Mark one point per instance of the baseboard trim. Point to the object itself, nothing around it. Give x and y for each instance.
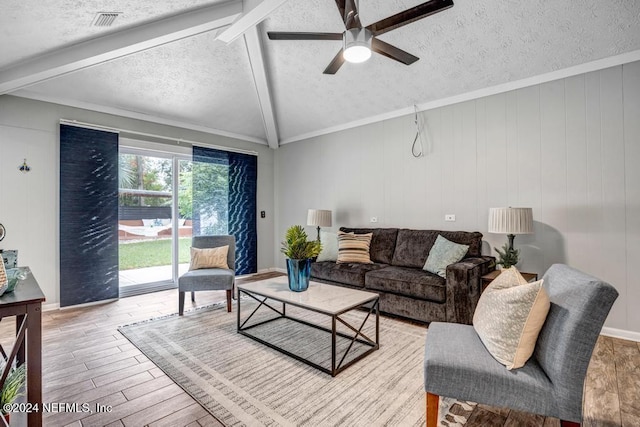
(621, 333)
(279, 270)
(267, 270)
(51, 306)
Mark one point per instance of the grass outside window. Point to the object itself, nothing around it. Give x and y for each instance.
(151, 253)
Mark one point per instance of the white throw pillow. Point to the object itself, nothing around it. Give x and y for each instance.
(329, 242)
(509, 317)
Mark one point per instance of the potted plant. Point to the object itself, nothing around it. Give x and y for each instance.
(508, 256)
(12, 389)
(299, 252)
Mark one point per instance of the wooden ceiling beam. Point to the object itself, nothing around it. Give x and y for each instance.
(118, 44)
(251, 17)
(261, 79)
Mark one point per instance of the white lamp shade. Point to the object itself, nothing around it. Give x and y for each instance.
(511, 220)
(319, 217)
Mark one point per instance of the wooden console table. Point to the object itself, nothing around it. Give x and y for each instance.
(26, 304)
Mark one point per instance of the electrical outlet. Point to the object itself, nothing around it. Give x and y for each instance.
(450, 217)
(263, 214)
(374, 219)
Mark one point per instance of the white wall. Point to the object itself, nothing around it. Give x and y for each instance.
(29, 203)
(570, 149)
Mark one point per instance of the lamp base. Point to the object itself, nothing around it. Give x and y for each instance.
(318, 234)
(511, 237)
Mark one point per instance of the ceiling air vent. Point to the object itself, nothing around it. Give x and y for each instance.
(105, 19)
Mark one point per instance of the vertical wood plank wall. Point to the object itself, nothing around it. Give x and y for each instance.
(28, 200)
(29, 205)
(570, 149)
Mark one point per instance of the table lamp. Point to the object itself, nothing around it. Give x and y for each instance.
(319, 217)
(511, 221)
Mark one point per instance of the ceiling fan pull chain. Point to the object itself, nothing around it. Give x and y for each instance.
(417, 138)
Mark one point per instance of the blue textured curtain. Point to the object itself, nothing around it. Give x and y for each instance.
(224, 201)
(88, 215)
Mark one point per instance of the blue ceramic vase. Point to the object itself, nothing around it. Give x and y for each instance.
(298, 271)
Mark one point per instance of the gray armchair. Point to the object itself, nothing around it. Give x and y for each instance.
(458, 365)
(209, 279)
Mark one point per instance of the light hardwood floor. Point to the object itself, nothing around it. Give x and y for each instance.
(85, 359)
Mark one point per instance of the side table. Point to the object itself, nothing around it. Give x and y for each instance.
(26, 304)
(490, 277)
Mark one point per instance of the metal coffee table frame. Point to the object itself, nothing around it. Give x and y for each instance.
(335, 318)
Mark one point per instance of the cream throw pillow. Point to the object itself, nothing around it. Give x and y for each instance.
(509, 317)
(209, 258)
(354, 248)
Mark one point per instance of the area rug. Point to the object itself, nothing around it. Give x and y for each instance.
(243, 382)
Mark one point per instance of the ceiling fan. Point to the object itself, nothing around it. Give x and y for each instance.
(359, 41)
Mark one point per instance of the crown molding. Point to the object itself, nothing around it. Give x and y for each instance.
(135, 115)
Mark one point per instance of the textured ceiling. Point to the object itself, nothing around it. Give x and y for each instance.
(195, 80)
(474, 45)
(31, 27)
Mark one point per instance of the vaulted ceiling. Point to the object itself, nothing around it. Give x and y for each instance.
(166, 61)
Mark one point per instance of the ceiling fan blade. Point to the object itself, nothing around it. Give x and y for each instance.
(351, 16)
(278, 35)
(341, 7)
(335, 64)
(408, 16)
(392, 52)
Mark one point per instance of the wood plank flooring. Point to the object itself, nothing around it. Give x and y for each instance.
(86, 360)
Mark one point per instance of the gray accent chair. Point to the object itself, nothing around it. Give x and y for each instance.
(209, 279)
(457, 364)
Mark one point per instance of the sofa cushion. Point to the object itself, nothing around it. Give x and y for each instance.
(409, 282)
(383, 242)
(413, 246)
(350, 273)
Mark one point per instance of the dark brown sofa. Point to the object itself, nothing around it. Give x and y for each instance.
(407, 290)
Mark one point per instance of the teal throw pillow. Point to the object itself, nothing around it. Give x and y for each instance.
(443, 253)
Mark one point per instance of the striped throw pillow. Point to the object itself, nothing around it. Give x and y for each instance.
(354, 248)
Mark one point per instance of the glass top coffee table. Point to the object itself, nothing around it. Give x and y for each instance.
(327, 300)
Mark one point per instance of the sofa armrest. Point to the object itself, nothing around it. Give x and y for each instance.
(464, 284)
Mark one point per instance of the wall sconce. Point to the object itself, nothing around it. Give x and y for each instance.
(24, 167)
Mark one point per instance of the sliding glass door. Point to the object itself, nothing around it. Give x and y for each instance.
(166, 197)
(154, 222)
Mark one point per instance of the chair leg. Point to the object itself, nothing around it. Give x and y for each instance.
(228, 300)
(569, 424)
(433, 400)
(193, 296)
(180, 303)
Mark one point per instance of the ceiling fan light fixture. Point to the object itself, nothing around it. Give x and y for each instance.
(357, 45)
